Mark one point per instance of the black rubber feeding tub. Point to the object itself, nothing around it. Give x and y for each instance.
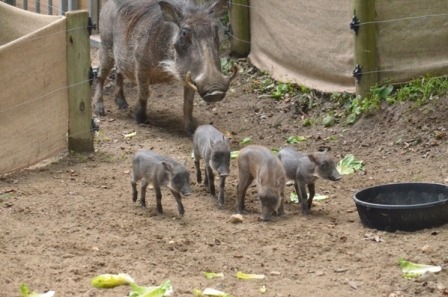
(403, 206)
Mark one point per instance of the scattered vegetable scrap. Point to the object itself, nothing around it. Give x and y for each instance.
(248, 276)
(295, 139)
(295, 199)
(413, 270)
(234, 154)
(210, 275)
(165, 289)
(246, 140)
(106, 281)
(130, 135)
(25, 290)
(349, 164)
(210, 292)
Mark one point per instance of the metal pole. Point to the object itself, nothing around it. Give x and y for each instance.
(38, 6)
(73, 5)
(50, 7)
(62, 7)
(94, 12)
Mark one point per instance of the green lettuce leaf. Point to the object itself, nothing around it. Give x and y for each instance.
(242, 275)
(295, 199)
(25, 290)
(210, 292)
(246, 140)
(165, 289)
(413, 270)
(210, 275)
(295, 139)
(106, 281)
(349, 164)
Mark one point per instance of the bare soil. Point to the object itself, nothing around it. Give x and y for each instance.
(67, 221)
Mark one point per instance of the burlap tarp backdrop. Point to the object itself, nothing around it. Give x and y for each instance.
(310, 42)
(33, 80)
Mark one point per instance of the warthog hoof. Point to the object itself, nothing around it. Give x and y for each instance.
(99, 110)
(140, 117)
(121, 103)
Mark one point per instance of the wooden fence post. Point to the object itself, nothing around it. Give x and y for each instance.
(80, 138)
(366, 54)
(240, 28)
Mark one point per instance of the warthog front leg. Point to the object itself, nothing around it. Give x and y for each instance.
(245, 179)
(143, 194)
(222, 182)
(198, 170)
(143, 95)
(180, 206)
(211, 180)
(190, 126)
(120, 100)
(134, 190)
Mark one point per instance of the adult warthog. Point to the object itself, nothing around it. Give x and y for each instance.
(154, 41)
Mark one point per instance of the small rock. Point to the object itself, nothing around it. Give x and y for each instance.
(353, 285)
(440, 287)
(236, 218)
(396, 294)
(427, 249)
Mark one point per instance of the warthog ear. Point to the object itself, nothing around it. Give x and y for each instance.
(170, 13)
(168, 166)
(218, 8)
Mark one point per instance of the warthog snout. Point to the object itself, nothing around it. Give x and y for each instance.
(335, 176)
(211, 89)
(213, 96)
(186, 193)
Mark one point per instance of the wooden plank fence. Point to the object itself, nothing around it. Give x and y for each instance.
(45, 103)
(59, 7)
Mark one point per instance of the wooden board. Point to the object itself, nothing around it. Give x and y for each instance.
(33, 97)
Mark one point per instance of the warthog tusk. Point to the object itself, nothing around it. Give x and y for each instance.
(190, 82)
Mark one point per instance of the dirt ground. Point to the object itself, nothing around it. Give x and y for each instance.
(69, 220)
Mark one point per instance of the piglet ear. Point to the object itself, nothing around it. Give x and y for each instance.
(224, 139)
(170, 13)
(280, 183)
(212, 142)
(168, 166)
(218, 8)
(312, 158)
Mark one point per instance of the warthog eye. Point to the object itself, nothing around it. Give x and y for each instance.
(216, 35)
(184, 38)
